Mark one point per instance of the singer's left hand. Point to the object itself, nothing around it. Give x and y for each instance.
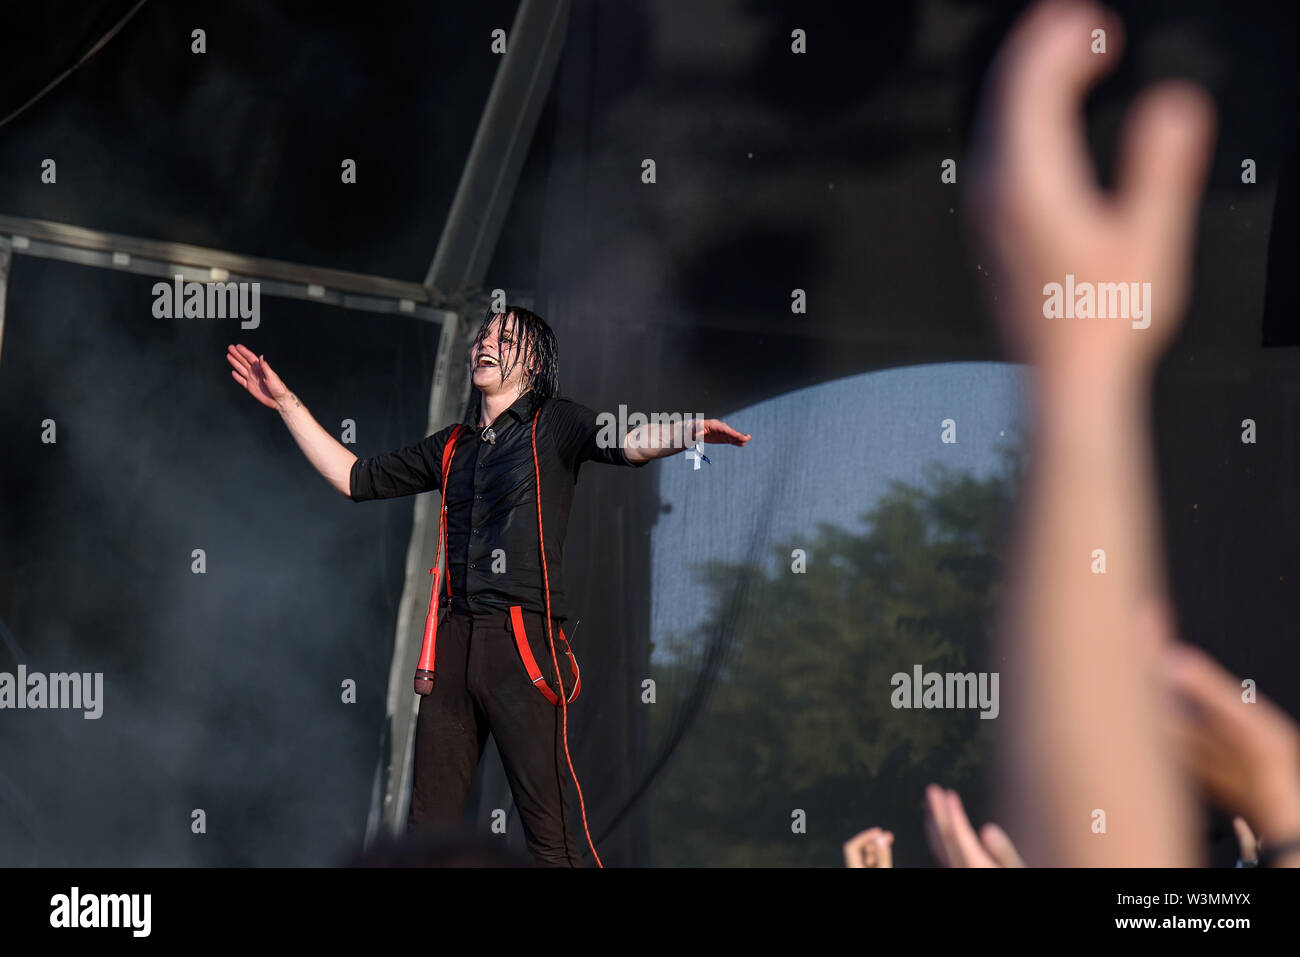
(717, 432)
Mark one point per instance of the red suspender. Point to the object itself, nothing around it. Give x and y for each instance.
(428, 650)
(521, 641)
(535, 673)
(517, 622)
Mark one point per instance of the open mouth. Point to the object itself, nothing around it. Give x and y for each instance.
(485, 360)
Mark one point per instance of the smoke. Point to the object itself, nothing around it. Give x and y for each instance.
(223, 690)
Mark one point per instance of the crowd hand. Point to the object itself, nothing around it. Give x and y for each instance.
(1247, 843)
(1244, 753)
(953, 841)
(871, 848)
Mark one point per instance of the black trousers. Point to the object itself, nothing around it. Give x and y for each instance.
(482, 687)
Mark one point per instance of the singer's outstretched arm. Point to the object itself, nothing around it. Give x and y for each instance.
(326, 453)
(655, 441)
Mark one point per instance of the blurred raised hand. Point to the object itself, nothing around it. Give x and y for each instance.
(1080, 732)
(1038, 211)
(1241, 748)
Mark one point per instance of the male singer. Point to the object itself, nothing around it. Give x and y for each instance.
(483, 686)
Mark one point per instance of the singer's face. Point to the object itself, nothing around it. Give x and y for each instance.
(494, 359)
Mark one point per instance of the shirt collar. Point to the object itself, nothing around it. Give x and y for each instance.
(522, 409)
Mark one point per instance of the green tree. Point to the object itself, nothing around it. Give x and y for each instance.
(800, 716)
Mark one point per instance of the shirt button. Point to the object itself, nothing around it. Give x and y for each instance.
(476, 531)
(471, 564)
(478, 498)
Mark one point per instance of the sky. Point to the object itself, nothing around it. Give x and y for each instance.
(825, 453)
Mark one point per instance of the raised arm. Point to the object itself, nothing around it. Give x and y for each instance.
(1081, 719)
(326, 454)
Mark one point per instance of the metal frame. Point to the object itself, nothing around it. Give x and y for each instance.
(151, 257)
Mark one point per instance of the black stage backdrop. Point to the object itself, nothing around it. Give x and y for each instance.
(740, 621)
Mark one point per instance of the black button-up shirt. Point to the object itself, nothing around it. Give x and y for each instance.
(491, 498)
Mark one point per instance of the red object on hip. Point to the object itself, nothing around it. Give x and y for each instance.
(428, 650)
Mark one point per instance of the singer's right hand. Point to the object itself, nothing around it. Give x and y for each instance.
(255, 374)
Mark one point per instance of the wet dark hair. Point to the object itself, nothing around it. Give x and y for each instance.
(535, 346)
